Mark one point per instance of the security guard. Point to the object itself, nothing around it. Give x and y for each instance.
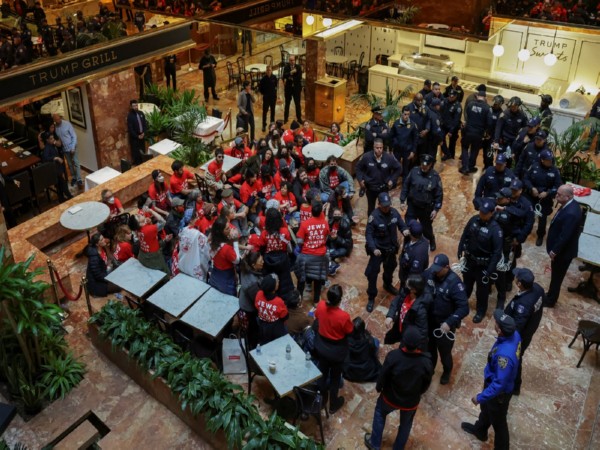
(450, 306)
(420, 117)
(508, 126)
(376, 128)
(499, 379)
(481, 244)
(376, 172)
(422, 196)
(525, 136)
(382, 246)
(542, 181)
(504, 219)
(451, 113)
(436, 133)
(414, 257)
(488, 149)
(477, 122)
(436, 92)
(526, 309)
(492, 180)
(544, 111)
(404, 135)
(531, 153)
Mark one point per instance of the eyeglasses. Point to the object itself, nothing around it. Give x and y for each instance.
(220, 157)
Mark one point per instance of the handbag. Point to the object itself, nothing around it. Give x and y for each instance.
(234, 360)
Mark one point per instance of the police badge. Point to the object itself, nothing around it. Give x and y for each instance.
(502, 362)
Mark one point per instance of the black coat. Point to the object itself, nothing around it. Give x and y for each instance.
(417, 315)
(361, 364)
(564, 231)
(96, 273)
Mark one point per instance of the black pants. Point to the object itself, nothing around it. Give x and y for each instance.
(501, 285)
(488, 153)
(330, 381)
(171, 73)
(474, 275)
(371, 200)
(518, 380)
(449, 150)
(268, 104)
(295, 95)
(390, 262)
(317, 287)
(423, 215)
(443, 345)
(470, 150)
(494, 412)
(138, 148)
(559, 266)
(210, 86)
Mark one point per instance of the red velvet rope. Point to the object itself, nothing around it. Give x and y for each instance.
(68, 295)
(227, 118)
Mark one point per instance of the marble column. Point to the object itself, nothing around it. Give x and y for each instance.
(108, 98)
(315, 69)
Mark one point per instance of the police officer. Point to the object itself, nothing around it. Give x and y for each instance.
(426, 88)
(481, 244)
(526, 309)
(59, 32)
(451, 113)
(488, 150)
(454, 86)
(404, 136)
(499, 379)
(492, 180)
(170, 62)
(414, 257)
(477, 121)
(420, 117)
(450, 306)
(48, 37)
(525, 136)
(436, 92)
(421, 197)
(22, 55)
(542, 181)
(531, 153)
(382, 246)
(504, 219)
(508, 126)
(376, 172)
(544, 111)
(139, 20)
(436, 133)
(376, 128)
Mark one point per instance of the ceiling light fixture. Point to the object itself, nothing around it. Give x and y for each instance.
(310, 19)
(338, 29)
(550, 59)
(327, 22)
(498, 50)
(524, 54)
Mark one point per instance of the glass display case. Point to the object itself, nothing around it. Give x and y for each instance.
(426, 66)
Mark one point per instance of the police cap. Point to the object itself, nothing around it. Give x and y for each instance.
(487, 206)
(546, 155)
(524, 275)
(384, 199)
(439, 262)
(505, 322)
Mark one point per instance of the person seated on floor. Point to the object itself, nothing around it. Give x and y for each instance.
(298, 320)
(287, 202)
(339, 240)
(267, 183)
(251, 274)
(285, 155)
(191, 254)
(224, 257)
(124, 248)
(147, 234)
(239, 149)
(52, 153)
(299, 143)
(207, 218)
(290, 134)
(301, 186)
(332, 176)
(144, 204)
(361, 364)
(97, 267)
(158, 191)
(308, 132)
(240, 219)
(251, 195)
(336, 136)
(271, 310)
(312, 171)
(114, 204)
(181, 180)
(215, 175)
(340, 200)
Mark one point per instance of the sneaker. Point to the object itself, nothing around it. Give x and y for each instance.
(370, 305)
(335, 405)
(477, 318)
(333, 268)
(367, 440)
(432, 246)
(361, 192)
(470, 428)
(445, 378)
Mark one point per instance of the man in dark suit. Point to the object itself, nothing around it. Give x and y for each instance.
(136, 127)
(562, 244)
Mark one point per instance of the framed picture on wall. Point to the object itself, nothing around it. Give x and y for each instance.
(75, 107)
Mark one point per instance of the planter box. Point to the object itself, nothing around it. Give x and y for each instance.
(352, 153)
(157, 388)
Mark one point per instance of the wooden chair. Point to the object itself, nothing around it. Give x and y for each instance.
(44, 177)
(360, 61)
(255, 77)
(203, 187)
(268, 60)
(571, 171)
(590, 333)
(310, 403)
(234, 77)
(338, 51)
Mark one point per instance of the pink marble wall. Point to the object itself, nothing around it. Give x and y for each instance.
(4, 237)
(109, 104)
(315, 69)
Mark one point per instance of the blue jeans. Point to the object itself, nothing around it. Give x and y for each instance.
(325, 195)
(382, 409)
(73, 162)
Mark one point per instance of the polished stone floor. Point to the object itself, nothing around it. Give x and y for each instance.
(557, 409)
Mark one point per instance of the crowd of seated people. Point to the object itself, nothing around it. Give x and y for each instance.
(584, 12)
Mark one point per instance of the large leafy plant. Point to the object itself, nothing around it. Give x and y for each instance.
(391, 102)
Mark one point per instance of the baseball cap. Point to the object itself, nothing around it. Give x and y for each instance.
(487, 206)
(384, 199)
(516, 184)
(541, 134)
(534, 122)
(523, 274)
(415, 228)
(439, 262)
(177, 201)
(283, 164)
(376, 109)
(504, 193)
(411, 338)
(452, 93)
(238, 141)
(505, 322)
(501, 158)
(546, 155)
(226, 193)
(435, 102)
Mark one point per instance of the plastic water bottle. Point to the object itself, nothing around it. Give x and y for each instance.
(288, 351)
(258, 350)
(308, 360)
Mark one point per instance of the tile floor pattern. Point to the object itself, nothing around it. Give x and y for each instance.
(558, 407)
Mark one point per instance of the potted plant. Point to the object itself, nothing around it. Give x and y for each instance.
(391, 102)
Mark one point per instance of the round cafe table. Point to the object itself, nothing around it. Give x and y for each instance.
(322, 150)
(84, 216)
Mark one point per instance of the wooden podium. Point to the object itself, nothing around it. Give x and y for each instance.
(330, 101)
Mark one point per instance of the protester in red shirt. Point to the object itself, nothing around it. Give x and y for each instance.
(124, 248)
(289, 135)
(250, 189)
(336, 136)
(267, 183)
(299, 143)
(224, 257)
(241, 211)
(215, 167)
(312, 171)
(285, 155)
(312, 263)
(308, 132)
(207, 218)
(272, 312)
(181, 180)
(158, 191)
(113, 203)
(287, 201)
(150, 254)
(331, 344)
(239, 149)
(270, 161)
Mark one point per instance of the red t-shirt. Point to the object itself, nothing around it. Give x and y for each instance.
(225, 257)
(148, 236)
(203, 223)
(161, 199)
(275, 242)
(270, 310)
(179, 183)
(334, 179)
(123, 251)
(334, 323)
(314, 232)
(216, 169)
(298, 149)
(288, 136)
(236, 204)
(408, 302)
(305, 212)
(247, 191)
(313, 175)
(309, 134)
(115, 207)
(285, 203)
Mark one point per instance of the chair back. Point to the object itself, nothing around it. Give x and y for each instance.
(229, 68)
(44, 176)
(268, 60)
(125, 165)
(339, 51)
(241, 63)
(360, 60)
(19, 194)
(352, 65)
(308, 401)
(147, 157)
(255, 77)
(571, 171)
(161, 323)
(203, 187)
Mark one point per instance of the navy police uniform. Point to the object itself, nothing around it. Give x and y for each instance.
(488, 150)
(507, 130)
(404, 138)
(377, 175)
(375, 129)
(451, 113)
(414, 258)
(521, 216)
(477, 115)
(490, 183)
(420, 117)
(543, 179)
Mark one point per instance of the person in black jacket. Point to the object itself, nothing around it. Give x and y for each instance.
(405, 377)
(97, 267)
(52, 153)
(526, 309)
(339, 240)
(361, 364)
(268, 88)
(409, 310)
(292, 81)
(137, 127)
(414, 257)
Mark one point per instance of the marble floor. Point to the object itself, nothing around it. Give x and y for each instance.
(558, 407)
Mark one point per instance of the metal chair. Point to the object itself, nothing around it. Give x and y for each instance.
(338, 51)
(109, 228)
(203, 187)
(233, 76)
(268, 60)
(571, 171)
(6, 125)
(255, 77)
(590, 333)
(125, 165)
(241, 63)
(360, 60)
(310, 403)
(351, 71)
(45, 176)
(19, 195)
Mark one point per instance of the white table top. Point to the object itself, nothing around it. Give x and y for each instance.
(592, 200)
(212, 312)
(321, 150)
(209, 129)
(296, 51)
(178, 294)
(592, 224)
(147, 108)
(261, 67)
(100, 176)
(228, 163)
(336, 59)
(135, 278)
(164, 147)
(290, 372)
(54, 107)
(589, 249)
(84, 216)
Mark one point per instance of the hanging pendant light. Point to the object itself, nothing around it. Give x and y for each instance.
(550, 59)
(524, 54)
(327, 22)
(498, 50)
(310, 19)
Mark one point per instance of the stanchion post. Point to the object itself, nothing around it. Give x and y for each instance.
(230, 124)
(53, 280)
(87, 295)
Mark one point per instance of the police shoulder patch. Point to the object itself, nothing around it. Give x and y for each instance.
(502, 362)
(370, 218)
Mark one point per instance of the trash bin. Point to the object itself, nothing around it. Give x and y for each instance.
(363, 80)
